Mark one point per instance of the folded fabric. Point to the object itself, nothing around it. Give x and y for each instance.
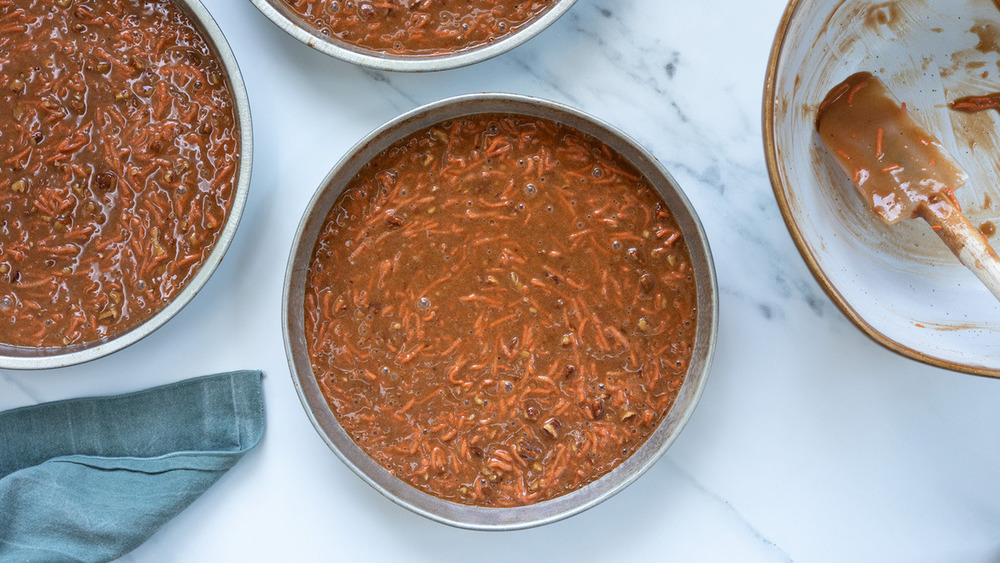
(91, 479)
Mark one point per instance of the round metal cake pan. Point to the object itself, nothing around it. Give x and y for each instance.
(278, 12)
(324, 420)
(17, 357)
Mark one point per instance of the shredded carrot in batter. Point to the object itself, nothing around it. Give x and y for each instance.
(528, 314)
(120, 151)
(419, 27)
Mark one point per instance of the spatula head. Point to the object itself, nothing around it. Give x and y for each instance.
(894, 162)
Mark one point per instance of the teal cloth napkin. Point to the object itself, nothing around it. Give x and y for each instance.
(91, 479)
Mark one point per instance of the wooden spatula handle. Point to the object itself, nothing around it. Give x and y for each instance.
(967, 243)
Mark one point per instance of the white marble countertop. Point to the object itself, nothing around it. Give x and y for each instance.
(811, 442)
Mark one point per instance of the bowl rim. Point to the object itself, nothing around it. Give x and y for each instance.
(294, 26)
(48, 358)
(403, 494)
(771, 159)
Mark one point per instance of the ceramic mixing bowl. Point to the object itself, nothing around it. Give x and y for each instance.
(898, 283)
